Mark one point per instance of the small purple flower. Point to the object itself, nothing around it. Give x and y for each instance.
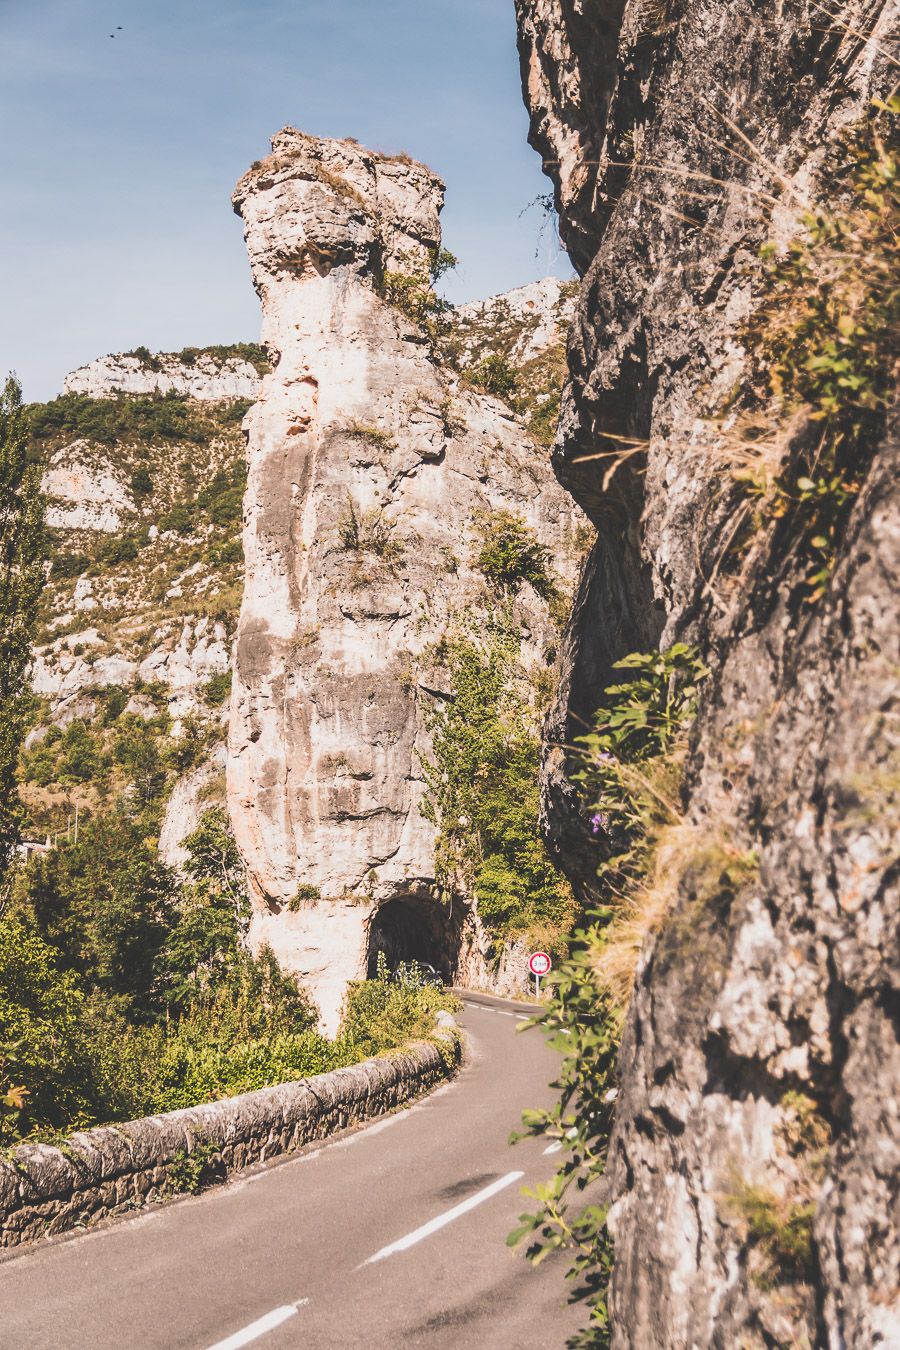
(599, 821)
(605, 757)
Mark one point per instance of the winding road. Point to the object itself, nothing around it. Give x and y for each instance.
(392, 1235)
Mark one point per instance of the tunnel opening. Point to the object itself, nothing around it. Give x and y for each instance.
(412, 929)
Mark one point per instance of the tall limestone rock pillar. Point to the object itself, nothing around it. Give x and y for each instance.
(369, 469)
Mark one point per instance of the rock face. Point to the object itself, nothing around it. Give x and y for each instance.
(679, 137)
(82, 494)
(370, 472)
(536, 317)
(204, 377)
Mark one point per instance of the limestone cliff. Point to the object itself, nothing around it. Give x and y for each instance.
(218, 374)
(680, 136)
(373, 472)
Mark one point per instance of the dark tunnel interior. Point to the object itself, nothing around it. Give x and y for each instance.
(412, 929)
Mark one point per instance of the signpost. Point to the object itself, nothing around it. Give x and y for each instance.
(539, 964)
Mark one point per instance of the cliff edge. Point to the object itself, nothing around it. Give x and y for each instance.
(759, 1071)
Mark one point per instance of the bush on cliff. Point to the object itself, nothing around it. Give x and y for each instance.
(483, 794)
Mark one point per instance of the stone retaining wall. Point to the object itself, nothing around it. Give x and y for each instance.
(94, 1173)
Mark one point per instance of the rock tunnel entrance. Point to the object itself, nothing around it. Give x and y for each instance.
(411, 929)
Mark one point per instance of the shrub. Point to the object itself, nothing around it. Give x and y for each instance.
(217, 688)
(223, 555)
(368, 532)
(68, 565)
(179, 519)
(510, 555)
(141, 482)
(494, 375)
(385, 1012)
(305, 895)
(222, 498)
(780, 1230)
(114, 551)
(235, 412)
(412, 291)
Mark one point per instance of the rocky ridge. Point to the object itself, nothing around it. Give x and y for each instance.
(373, 472)
(680, 137)
(218, 374)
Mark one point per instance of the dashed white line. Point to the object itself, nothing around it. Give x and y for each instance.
(553, 1148)
(433, 1225)
(260, 1327)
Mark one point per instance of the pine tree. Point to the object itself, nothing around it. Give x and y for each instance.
(22, 554)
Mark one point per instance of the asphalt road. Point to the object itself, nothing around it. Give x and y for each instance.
(392, 1236)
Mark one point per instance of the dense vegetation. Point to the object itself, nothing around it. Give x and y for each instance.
(22, 552)
(125, 990)
(163, 417)
(483, 791)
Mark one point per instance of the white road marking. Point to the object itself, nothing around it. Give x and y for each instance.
(260, 1326)
(553, 1148)
(433, 1225)
(522, 1017)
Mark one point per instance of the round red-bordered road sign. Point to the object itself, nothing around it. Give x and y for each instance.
(539, 963)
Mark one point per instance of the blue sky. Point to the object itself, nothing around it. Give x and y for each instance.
(118, 156)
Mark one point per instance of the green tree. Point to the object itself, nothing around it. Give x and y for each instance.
(22, 554)
(43, 1058)
(107, 905)
(483, 792)
(136, 749)
(204, 947)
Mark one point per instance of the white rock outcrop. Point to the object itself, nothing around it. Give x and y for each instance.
(541, 311)
(207, 377)
(193, 794)
(369, 472)
(84, 492)
(185, 656)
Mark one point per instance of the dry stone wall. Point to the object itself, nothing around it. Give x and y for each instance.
(47, 1189)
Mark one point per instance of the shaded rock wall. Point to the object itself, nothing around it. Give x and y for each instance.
(679, 136)
(369, 469)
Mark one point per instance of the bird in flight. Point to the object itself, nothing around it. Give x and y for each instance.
(118, 30)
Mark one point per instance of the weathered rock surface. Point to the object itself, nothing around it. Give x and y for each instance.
(370, 469)
(207, 377)
(792, 986)
(534, 317)
(82, 494)
(186, 655)
(195, 792)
